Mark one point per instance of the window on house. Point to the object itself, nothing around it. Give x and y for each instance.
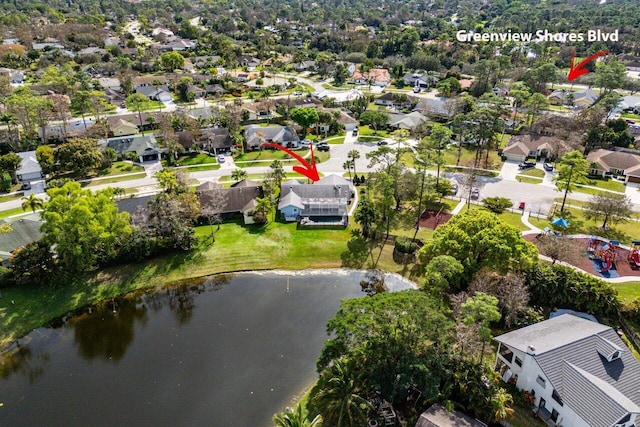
(554, 415)
(506, 354)
(615, 355)
(541, 381)
(623, 421)
(555, 396)
(518, 361)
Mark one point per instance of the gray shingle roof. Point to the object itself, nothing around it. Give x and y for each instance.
(141, 145)
(236, 198)
(23, 231)
(29, 163)
(569, 350)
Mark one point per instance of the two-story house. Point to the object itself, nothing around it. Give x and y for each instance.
(577, 372)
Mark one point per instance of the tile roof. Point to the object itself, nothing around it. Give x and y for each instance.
(606, 160)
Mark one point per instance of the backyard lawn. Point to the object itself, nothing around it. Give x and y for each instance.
(120, 168)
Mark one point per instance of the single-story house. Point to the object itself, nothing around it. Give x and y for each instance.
(150, 81)
(240, 198)
(521, 147)
(250, 62)
(123, 127)
(29, 169)
(435, 108)
(629, 103)
(580, 99)
(205, 61)
(303, 102)
(422, 81)
(406, 121)
(92, 51)
(438, 416)
(214, 89)
(145, 146)
(278, 82)
(391, 99)
(304, 66)
(282, 135)
(618, 163)
(24, 230)
(259, 111)
(377, 77)
(176, 45)
(577, 372)
(112, 83)
(325, 201)
(347, 121)
(161, 94)
(215, 140)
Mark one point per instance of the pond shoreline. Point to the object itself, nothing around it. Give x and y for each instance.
(9, 345)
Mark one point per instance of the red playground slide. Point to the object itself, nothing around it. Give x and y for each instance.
(635, 257)
(607, 266)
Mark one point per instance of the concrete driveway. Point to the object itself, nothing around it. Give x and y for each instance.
(509, 170)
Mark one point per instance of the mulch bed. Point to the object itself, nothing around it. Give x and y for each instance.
(582, 261)
(428, 219)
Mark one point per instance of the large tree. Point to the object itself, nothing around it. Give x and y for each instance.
(480, 239)
(169, 61)
(82, 227)
(609, 207)
(572, 169)
(610, 76)
(305, 117)
(375, 119)
(80, 156)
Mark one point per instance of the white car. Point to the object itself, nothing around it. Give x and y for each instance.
(220, 158)
(305, 142)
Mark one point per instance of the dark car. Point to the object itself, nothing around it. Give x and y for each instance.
(526, 165)
(383, 142)
(548, 167)
(454, 189)
(475, 194)
(26, 186)
(322, 146)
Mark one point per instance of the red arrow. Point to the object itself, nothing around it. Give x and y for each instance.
(308, 170)
(577, 71)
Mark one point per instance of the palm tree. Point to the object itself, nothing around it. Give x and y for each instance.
(353, 155)
(277, 172)
(337, 396)
(348, 164)
(32, 202)
(8, 119)
(263, 206)
(295, 418)
(238, 175)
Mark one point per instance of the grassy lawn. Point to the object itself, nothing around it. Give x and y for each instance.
(467, 157)
(630, 116)
(8, 197)
(534, 172)
(529, 179)
(367, 131)
(579, 224)
(237, 247)
(200, 159)
(608, 184)
(139, 175)
(263, 155)
(628, 291)
(335, 140)
(120, 168)
(147, 106)
(12, 212)
(204, 167)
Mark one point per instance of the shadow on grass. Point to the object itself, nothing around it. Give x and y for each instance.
(357, 251)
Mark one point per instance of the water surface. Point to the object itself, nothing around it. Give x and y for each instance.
(226, 351)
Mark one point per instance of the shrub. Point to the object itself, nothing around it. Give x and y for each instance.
(58, 182)
(497, 205)
(406, 245)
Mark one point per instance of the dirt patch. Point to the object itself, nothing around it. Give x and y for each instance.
(580, 258)
(431, 219)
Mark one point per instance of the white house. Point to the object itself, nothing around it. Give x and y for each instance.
(29, 169)
(579, 372)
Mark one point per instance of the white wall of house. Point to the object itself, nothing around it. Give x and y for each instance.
(528, 380)
(515, 157)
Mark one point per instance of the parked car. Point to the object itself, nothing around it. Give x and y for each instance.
(297, 93)
(220, 158)
(475, 194)
(454, 189)
(322, 146)
(305, 142)
(522, 204)
(355, 132)
(526, 165)
(383, 142)
(548, 167)
(416, 89)
(26, 186)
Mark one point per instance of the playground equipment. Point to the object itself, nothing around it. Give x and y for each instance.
(603, 252)
(634, 254)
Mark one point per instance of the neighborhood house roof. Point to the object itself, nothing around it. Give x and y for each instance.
(29, 163)
(240, 197)
(142, 145)
(438, 416)
(605, 160)
(569, 351)
(525, 144)
(23, 231)
(329, 195)
(256, 135)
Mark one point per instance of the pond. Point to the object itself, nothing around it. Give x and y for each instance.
(228, 350)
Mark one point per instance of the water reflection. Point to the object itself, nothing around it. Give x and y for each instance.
(24, 362)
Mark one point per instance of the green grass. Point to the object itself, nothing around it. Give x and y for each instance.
(529, 179)
(199, 159)
(367, 131)
(13, 196)
(12, 212)
(335, 140)
(534, 172)
(578, 223)
(236, 248)
(263, 155)
(205, 167)
(608, 184)
(467, 157)
(114, 180)
(630, 116)
(628, 291)
(120, 168)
